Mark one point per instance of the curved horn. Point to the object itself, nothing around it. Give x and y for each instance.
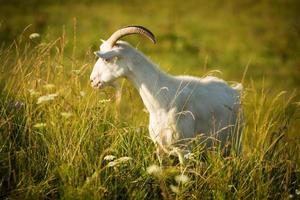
(128, 31)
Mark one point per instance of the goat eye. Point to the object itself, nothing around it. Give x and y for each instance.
(106, 60)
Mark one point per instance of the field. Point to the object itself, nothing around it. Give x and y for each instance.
(61, 139)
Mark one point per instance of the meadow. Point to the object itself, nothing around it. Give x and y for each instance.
(61, 139)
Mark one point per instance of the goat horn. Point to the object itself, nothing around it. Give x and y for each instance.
(128, 31)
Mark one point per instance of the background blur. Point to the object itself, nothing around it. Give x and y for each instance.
(193, 37)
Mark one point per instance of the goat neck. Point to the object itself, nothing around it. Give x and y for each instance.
(155, 87)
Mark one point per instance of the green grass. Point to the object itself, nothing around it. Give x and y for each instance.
(55, 147)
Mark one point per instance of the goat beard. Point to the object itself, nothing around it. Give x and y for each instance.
(118, 95)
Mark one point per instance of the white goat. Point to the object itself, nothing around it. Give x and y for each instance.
(180, 107)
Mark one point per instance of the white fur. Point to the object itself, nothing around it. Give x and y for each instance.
(180, 107)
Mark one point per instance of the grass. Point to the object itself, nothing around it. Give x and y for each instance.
(59, 137)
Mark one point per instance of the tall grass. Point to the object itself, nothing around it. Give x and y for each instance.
(61, 139)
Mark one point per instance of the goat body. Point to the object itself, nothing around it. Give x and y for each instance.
(180, 107)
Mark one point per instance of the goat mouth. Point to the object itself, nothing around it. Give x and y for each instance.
(98, 85)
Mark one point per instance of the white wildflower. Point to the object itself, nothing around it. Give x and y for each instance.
(182, 179)
(154, 170)
(109, 157)
(34, 36)
(45, 98)
(297, 192)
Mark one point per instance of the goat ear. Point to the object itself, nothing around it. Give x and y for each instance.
(107, 55)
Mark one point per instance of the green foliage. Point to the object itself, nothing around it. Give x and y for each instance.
(59, 138)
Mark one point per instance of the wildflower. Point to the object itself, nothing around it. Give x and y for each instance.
(39, 125)
(154, 170)
(297, 192)
(182, 179)
(45, 98)
(34, 36)
(109, 157)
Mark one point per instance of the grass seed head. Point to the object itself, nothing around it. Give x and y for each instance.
(182, 179)
(46, 98)
(154, 170)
